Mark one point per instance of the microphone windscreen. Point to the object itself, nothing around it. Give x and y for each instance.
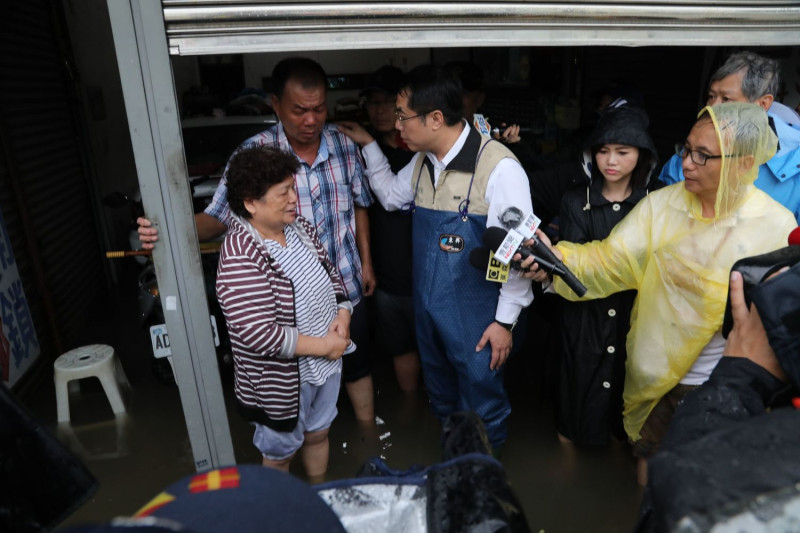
(493, 237)
(479, 258)
(794, 237)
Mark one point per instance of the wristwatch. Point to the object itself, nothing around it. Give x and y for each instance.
(509, 327)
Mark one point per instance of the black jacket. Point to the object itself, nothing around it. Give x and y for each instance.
(722, 450)
(593, 333)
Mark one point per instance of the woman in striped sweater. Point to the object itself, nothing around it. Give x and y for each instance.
(287, 313)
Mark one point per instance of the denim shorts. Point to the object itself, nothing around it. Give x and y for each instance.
(317, 411)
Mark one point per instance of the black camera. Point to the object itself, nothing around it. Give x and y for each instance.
(778, 303)
(756, 269)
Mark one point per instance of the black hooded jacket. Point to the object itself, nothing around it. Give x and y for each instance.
(593, 333)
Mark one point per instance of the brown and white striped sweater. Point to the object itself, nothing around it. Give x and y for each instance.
(257, 299)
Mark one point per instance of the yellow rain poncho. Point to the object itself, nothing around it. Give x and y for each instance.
(680, 261)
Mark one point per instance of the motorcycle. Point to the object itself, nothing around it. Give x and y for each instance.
(151, 313)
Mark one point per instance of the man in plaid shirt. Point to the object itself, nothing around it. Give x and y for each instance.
(332, 193)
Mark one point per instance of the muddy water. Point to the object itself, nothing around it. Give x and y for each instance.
(561, 488)
(135, 456)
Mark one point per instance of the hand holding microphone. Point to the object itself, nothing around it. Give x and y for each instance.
(536, 251)
(507, 134)
(479, 258)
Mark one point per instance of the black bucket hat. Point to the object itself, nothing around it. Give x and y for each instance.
(623, 125)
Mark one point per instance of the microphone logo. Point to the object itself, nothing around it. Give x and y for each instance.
(496, 271)
(511, 218)
(480, 123)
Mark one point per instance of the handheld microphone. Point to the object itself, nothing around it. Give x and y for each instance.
(498, 131)
(493, 237)
(479, 258)
(482, 126)
(482, 259)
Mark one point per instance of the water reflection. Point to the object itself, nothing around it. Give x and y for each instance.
(562, 488)
(97, 441)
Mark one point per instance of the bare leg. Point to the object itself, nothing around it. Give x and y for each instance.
(406, 368)
(641, 471)
(282, 465)
(315, 455)
(362, 397)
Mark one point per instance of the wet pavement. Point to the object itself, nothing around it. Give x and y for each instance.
(134, 456)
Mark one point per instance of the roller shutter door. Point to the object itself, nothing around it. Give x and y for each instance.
(44, 190)
(196, 27)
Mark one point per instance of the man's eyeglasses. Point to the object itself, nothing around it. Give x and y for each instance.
(698, 158)
(400, 118)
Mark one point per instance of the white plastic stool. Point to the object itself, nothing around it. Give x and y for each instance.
(94, 360)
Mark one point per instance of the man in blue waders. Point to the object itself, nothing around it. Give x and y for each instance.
(457, 184)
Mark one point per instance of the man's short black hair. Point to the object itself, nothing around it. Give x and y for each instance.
(253, 170)
(429, 88)
(302, 69)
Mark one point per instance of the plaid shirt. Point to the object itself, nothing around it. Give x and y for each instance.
(326, 194)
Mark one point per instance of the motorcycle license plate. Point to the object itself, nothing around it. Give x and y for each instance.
(160, 338)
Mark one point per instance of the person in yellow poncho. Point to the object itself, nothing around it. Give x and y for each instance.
(676, 247)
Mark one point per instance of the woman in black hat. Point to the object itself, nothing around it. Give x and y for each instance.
(619, 158)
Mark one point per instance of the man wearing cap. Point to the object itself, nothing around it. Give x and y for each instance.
(457, 184)
(390, 236)
(749, 77)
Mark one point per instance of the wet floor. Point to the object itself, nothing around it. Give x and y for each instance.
(134, 456)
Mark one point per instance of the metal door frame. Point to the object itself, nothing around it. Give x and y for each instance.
(153, 119)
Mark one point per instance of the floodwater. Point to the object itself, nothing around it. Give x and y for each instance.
(134, 456)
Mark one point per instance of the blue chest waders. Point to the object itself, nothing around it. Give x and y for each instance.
(453, 306)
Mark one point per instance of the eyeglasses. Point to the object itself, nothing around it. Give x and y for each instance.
(400, 118)
(698, 158)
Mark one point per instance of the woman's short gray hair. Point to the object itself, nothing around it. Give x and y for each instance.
(762, 75)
